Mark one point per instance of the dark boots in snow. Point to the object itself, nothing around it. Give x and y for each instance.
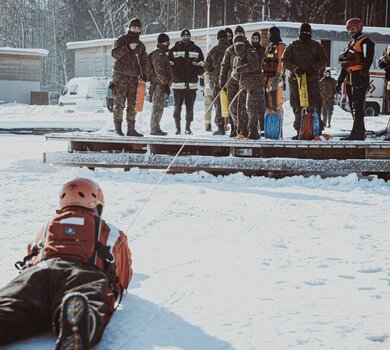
(356, 135)
(188, 128)
(131, 129)
(118, 128)
(220, 131)
(253, 134)
(233, 130)
(178, 127)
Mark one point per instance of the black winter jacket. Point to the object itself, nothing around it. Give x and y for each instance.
(186, 69)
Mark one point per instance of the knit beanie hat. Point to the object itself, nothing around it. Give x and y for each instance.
(162, 38)
(221, 34)
(135, 22)
(228, 30)
(185, 32)
(305, 28)
(239, 39)
(239, 29)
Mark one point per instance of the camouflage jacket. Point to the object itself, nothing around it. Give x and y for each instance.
(247, 69)
(328, 87)
(159, 68)
(214, 59)
(227, 66)
(310, 55)
(131, 63)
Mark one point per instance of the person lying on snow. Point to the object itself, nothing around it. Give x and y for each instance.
(75, 270)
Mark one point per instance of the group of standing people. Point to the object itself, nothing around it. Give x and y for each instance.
(248, 72)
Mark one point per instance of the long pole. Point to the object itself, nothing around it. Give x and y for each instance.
(224, 14)
(193, 13)
(93, 19)
(387, 8)
(208, 26)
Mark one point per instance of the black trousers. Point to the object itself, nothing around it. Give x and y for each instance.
(30, 304)
(357, 98)
(188, 98)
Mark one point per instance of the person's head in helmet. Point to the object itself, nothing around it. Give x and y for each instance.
(84, 193)
(354, 27)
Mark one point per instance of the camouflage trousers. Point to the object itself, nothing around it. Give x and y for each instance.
(158, 99)
(232, 90)
(327, 110)
(314, 99)
(124, 89)
(248, 109)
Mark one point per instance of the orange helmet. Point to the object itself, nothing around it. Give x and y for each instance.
(355, 22)
(83, 193)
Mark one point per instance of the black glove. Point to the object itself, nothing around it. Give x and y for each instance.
(223, 83)
(338, 87)
(144, 78)
(167, 90)
(110, 104)
(300, 70)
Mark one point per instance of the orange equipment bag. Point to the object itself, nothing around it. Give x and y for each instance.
(139, 101)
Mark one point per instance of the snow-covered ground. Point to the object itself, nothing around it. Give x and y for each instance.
(220, 262)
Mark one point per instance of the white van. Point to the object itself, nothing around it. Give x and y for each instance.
(374, 97)
(85, 93)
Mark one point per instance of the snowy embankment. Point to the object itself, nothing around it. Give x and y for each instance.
(223, 262)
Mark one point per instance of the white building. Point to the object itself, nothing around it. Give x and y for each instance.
(20, 73)
(93, 57)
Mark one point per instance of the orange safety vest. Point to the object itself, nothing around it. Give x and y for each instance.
(354, 55)
(270, 61)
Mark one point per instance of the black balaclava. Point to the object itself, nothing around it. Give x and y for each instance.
(258, 43)
(274, 35)
(163, 38)
(239, 44)
(305, 32)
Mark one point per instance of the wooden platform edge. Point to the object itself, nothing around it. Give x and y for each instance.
(209, 163)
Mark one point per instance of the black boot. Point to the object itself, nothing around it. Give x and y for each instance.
(220, 131)
(356, 135)
(296, 137)
(253, 133)
(208, 127)
(178, 128)
(131, 129)
(118, 128)
(158, 132)
(74, 323)
(233, 130)
(188, 128)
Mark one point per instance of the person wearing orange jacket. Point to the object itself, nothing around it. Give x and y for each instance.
(355, 62)
(75, 270)
(273, 70)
